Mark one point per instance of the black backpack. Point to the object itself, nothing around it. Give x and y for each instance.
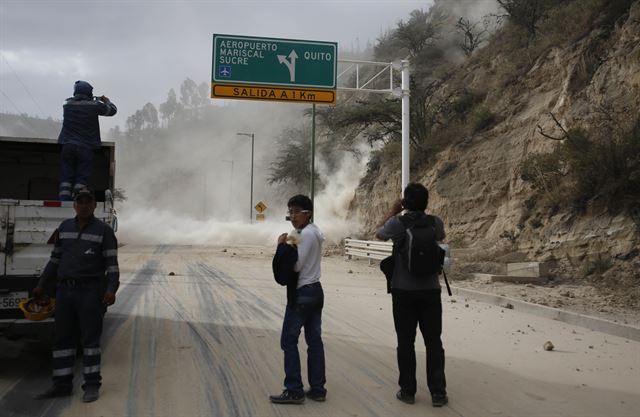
(420, 251)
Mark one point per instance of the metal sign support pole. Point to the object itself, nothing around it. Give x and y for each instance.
(405, 124)
(352, 72)
(313, 152)
(251, 207)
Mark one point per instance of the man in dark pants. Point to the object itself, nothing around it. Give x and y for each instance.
(80, 136)
(84, 261)
(305, 310)
(416, 301)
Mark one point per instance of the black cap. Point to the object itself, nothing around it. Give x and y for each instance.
(83, 192)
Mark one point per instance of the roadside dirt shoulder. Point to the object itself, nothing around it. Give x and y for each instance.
(570, 296)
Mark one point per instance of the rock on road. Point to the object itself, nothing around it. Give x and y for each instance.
(205, 342)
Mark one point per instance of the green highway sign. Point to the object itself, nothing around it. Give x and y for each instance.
(274, 62)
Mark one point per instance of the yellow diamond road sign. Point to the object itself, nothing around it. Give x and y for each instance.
(261, 207)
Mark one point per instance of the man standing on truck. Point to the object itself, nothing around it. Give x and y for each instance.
(80, 136)
(84, 261)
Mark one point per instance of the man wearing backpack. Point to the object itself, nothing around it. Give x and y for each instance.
(415, 290)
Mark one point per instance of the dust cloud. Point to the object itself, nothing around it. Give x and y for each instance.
(190, 185)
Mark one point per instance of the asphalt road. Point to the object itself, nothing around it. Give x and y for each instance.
(205, 342)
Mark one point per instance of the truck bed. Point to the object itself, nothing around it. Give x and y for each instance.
(30, 168)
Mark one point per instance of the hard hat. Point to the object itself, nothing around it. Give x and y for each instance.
(36, 310)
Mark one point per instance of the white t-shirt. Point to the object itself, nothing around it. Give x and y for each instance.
(309, 255)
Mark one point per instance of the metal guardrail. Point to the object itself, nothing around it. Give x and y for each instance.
(373, 249)
(367, 249)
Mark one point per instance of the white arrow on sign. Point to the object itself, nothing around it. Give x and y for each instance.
(291, 65)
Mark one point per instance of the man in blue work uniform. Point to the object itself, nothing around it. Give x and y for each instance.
(84, 261)
(80, 136)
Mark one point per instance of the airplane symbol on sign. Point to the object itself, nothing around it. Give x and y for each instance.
(224, 71)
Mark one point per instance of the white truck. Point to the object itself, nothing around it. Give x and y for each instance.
(30, 212)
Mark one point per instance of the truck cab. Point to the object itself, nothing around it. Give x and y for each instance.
(30, 212)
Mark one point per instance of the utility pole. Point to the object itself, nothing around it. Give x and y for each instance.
(230, 187)
(251, 135)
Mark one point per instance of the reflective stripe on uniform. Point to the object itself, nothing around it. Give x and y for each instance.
(81, 103)
(91, 369)
(91, 238)
(113, 269)
(63, 371)
(91, 351)
(64, 192)
(110, 252)
(63, 353)
(68, 235)
(65, 184)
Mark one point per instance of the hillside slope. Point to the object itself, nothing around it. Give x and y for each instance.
(475, 182)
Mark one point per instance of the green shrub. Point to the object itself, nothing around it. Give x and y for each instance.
(597, 266)
(542, 170)
(602, 163)
(482, 118)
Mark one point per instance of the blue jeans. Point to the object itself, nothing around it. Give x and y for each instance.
(76, 164)
(306, 313)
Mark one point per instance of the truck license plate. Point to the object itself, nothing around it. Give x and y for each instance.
(12, 300)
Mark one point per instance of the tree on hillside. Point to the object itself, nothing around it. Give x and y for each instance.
(135, 122)
(419, 31)
(204, 90)
(150, 115)
(471, 35)
(525, 13)
(115, 132)
(169, 108)
(293, 163)
(379, 119)
(189, 96)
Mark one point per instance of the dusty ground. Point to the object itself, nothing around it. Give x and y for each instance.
(195, 332)
(561, 291)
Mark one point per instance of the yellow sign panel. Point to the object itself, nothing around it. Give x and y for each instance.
(260, 217)
(261, 207)
(268, 93)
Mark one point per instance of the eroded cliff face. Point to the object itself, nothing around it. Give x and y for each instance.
(475, 185)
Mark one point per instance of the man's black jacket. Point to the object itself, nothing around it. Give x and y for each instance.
(283, 263)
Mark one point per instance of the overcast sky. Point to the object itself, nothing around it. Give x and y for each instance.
(135, 51)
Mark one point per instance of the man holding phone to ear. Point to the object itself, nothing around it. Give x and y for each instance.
(304, 309)
(416, 299)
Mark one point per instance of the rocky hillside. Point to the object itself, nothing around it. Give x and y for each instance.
(584, 58)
